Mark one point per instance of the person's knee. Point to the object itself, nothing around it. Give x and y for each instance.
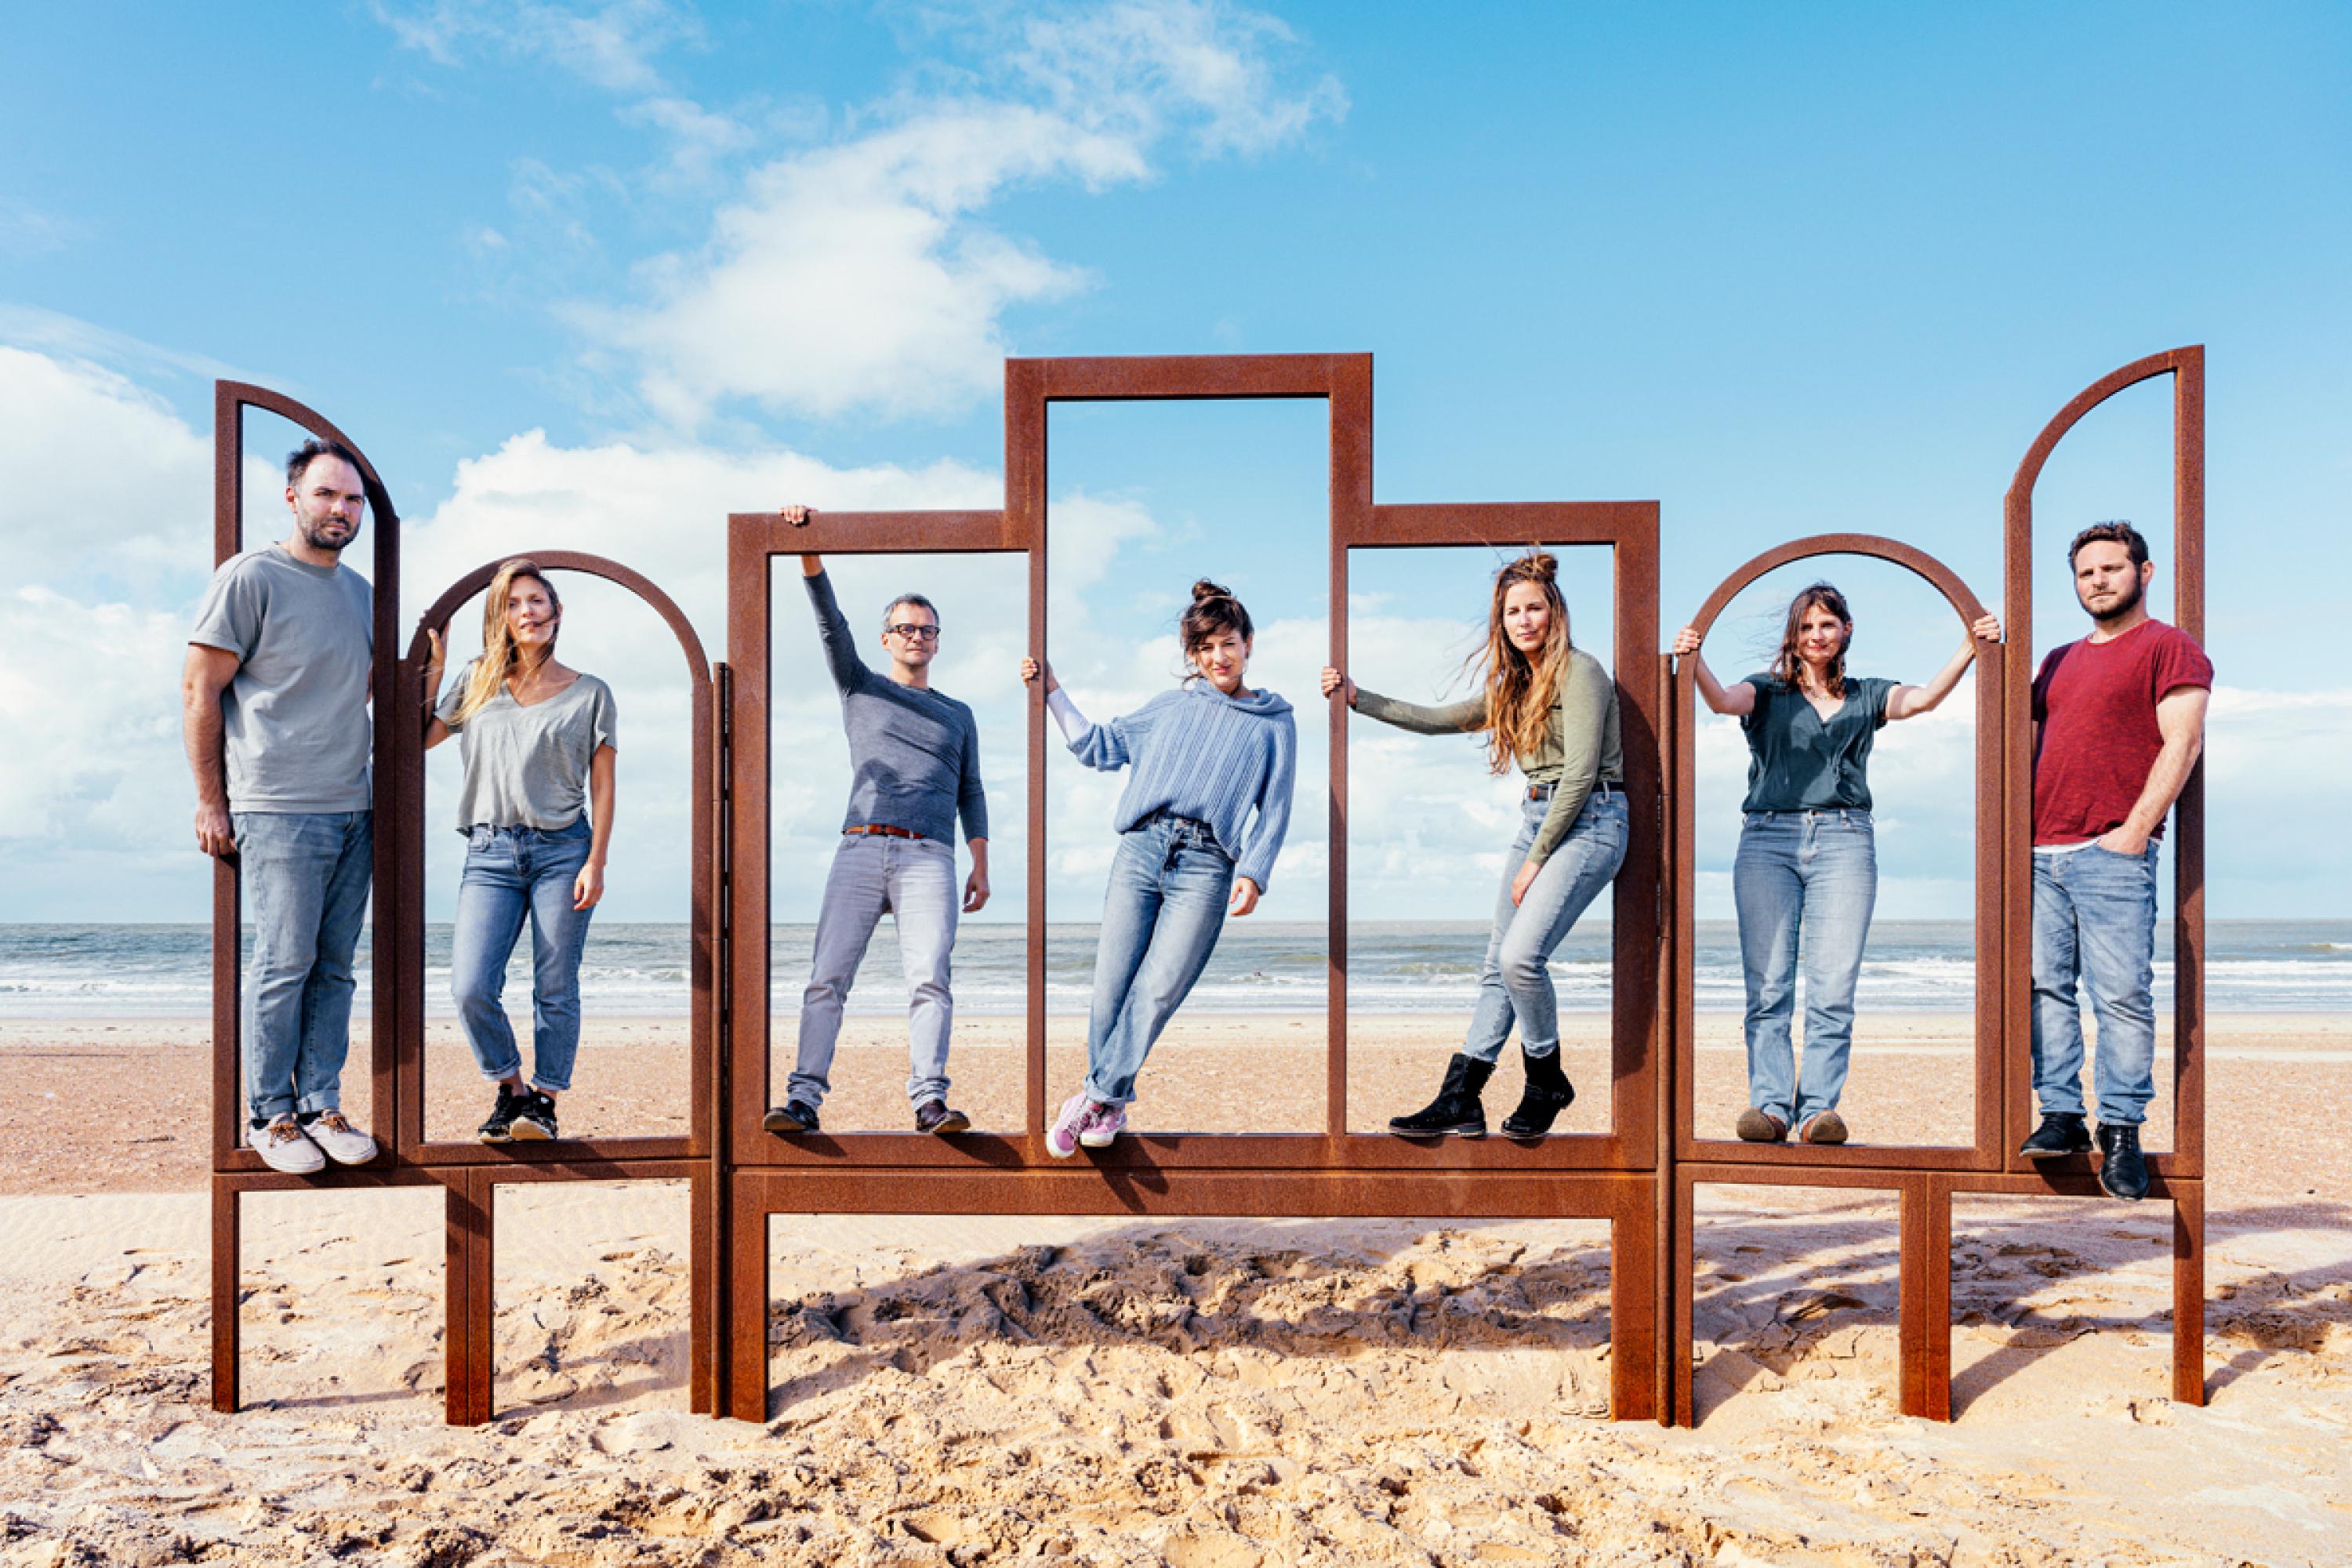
(474, 988)
(1524, 970)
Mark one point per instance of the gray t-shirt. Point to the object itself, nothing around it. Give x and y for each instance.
(295, 717)
(528, 767)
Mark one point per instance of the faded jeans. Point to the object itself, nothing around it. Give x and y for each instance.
(512, 874)
(914, 881)
(304, 880)
(1161, 916)
(1515, 982)
(2095, 921)
(1802, 880)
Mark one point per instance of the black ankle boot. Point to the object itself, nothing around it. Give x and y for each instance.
(1456, 1110)
(1548, 1094)
(2122, 1170)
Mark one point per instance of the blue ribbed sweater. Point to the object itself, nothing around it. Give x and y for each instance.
(1198, 752)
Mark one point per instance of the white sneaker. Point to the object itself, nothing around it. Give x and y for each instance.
(344, 1143)
(282, 1147)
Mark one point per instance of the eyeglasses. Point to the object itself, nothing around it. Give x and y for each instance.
(913, 633)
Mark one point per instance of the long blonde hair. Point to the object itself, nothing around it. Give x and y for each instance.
(1520, 691)
(499, 658)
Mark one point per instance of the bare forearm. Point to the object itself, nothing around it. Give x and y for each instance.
(1709, 688)
(979, 847)
(2165, 780)
(199, 731)
(1910, 701)
(600, 808)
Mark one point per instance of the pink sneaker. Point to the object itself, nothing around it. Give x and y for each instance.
(1062, 1138)
(1107, 1123)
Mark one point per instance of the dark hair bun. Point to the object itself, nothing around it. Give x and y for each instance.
(1205, 589)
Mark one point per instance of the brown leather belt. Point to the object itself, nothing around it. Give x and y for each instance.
(883, 828)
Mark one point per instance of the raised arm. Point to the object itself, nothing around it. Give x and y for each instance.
(1738, 700)
(206, 675)
(2180, 718)
(1910, 701)
(436, 731)
(832, 633)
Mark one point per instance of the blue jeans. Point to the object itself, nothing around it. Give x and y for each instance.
(2095, 921)
(1165, 906)
(914, 881)
(512, 873)
(304, 880)
(1515, 982)
(1813, 873)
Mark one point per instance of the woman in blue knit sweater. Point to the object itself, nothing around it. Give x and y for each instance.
(1199, 824)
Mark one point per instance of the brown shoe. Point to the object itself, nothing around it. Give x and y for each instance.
(1823, 1127)
(1755, 1126)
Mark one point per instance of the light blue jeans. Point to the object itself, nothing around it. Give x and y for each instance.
(304, 880)
(2094, 921)
(513, 873)
(1515, 982)
(914, 881)
(1165, 905)
(1814, 875)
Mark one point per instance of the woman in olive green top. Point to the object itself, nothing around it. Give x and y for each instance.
(1807, 860)
(1551, 707)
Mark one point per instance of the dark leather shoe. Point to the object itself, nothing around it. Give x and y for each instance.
(1548, 1094)
(1755, 1126)
(798, 1116)
(1456, 1110)
(935, 1116)
(2060, 1133)
(2122, 1170)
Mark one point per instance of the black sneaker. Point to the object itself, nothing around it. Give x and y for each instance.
(2060, 1133)
(534, 1118)
(2122, 1170)
(499, 1127)
(937, 1116)
(794, 1116)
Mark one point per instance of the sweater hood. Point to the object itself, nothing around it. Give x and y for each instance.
(1262, 704)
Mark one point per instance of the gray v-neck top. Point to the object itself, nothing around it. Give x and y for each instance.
(528, 767)
(1797, 761)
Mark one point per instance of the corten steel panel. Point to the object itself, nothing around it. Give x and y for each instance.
(1636, 1030)
(1923, 1313)
(2186, 368)
(754, 541)
(1626, 1201)
(405, 801)
(1984, 1149)
(230, 400)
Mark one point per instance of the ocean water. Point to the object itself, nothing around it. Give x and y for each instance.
(640, 970)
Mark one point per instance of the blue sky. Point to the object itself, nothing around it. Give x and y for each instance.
(593, 274)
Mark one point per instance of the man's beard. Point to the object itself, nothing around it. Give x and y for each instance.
(314, 534)
(2131, 603)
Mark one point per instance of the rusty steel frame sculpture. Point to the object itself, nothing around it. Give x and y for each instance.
(1641, 1175)
(1925, 1178)
(1332, 1173)
(468, 1175)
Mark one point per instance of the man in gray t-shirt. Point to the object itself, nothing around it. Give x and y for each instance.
(275, 713)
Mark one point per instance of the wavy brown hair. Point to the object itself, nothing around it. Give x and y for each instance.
(499, 657)
(1519, 690)
(1787, 664)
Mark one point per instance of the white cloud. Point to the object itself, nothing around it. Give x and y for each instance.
(859, 276)
(612, 45)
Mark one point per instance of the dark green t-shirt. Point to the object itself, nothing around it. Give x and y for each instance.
(1798, 762)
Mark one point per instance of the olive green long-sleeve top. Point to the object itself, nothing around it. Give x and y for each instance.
(1579, 746)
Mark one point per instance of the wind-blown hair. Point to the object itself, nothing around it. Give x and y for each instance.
(1520, 691)
(499, 656)
(1785, 664)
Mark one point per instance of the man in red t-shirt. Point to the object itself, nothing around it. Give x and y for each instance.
(2119, 720)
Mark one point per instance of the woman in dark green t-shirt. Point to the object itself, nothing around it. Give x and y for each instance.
(1807, 860)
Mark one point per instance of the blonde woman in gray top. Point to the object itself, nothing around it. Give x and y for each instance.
(1551, 707)
(536, 808)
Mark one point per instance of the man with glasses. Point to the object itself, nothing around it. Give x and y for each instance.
(914, 756)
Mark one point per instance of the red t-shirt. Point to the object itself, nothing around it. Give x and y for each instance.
(2096, 702)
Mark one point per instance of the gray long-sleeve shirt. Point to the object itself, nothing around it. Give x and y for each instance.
(914, 753)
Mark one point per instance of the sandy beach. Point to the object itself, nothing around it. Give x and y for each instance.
(1191, 1393)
